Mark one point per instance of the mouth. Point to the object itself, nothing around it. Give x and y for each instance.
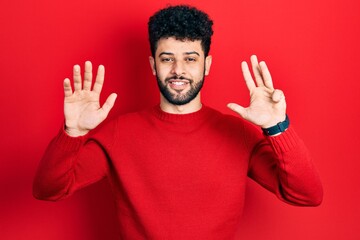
(178, 84)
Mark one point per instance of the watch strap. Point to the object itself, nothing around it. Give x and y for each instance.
(278, 128)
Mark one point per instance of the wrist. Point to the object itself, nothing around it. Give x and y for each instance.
(72, 132)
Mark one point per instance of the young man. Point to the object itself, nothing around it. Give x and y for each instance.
(178, 170)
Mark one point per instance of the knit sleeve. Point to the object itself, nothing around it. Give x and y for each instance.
(283, 165)
(69, 163)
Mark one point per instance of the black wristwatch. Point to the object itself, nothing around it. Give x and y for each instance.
(278, 128)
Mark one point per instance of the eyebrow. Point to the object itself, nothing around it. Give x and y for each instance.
(186, 53)
(193, 52)
(165, 53)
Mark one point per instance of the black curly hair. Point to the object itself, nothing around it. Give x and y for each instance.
(182, 22)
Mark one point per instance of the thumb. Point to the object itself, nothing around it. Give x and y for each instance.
(238, 109)
(109, 103)
(277, 95)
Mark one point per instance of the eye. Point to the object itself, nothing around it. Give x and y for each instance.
(167, 60)
(190, 59)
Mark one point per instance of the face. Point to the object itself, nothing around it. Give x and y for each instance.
(180, 67)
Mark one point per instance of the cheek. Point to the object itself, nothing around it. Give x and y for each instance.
(197, 73)
(161, 74)
(163, 71)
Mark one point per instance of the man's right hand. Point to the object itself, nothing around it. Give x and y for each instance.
(82, 107)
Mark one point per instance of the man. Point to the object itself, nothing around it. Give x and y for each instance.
(178, 170)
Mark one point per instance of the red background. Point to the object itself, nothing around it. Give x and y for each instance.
(311, 47)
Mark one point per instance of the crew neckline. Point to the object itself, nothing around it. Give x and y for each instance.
(198, 115)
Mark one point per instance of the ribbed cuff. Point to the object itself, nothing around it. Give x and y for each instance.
(284, 142)
(68, 143)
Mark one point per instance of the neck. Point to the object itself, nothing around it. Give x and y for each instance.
(193, 106)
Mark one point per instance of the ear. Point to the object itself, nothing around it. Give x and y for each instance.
(152, 65)
(208, 61)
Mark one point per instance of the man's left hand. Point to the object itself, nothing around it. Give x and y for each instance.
(267, 105)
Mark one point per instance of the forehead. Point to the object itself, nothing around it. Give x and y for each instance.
(174, 46)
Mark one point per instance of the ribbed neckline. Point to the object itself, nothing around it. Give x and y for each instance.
(199, 115)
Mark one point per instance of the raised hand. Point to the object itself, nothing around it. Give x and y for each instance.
(267, 105)
(82, 107)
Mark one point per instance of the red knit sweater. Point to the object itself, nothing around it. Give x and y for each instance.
(179, 176)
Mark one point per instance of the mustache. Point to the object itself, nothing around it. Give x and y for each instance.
(178, 78)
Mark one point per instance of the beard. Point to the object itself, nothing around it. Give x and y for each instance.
(180, 98)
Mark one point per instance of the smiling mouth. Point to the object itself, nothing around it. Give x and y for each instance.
(178, 82)
(178, 85)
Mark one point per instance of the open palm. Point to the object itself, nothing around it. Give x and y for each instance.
(267, 106)
(82, 106)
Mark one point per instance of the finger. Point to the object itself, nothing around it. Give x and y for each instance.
(99, 79)
(77, 78)
(87, 75)
(256, 71)
(238, 109)
(247, 76)
(266, 75)
(277, 95)
(67, 88)
(109, 103)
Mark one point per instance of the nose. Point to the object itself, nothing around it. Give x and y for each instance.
(178, 68)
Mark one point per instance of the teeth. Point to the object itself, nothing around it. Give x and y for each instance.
(178, 83)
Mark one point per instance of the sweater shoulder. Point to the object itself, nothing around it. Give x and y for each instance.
(107, 132)
(239, 128)
(232, 122)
